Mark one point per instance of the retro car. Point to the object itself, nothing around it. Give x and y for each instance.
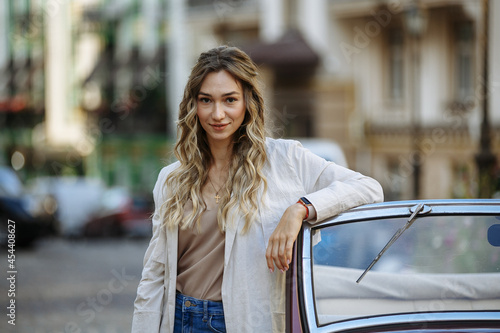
(408, 266)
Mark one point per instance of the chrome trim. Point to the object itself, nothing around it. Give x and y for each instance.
(401, 209)
(413, 321)
(307, 271)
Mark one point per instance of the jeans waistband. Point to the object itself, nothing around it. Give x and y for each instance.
(191, 304)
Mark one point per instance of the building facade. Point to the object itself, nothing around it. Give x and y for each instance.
(399, 84)
(421, 86)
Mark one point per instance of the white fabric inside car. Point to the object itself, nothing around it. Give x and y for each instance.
(338, 296)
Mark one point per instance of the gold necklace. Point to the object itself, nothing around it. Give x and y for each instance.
(217, 197)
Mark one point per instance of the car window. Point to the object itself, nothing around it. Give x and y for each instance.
(441, 263)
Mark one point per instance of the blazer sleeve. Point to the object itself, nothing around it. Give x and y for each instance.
(329, 187)
(148, 304)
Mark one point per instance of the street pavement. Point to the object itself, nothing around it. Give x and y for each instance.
(73, 286)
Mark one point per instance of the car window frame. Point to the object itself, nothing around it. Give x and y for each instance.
(305, 287)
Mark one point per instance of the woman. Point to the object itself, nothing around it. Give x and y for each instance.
(228, 212)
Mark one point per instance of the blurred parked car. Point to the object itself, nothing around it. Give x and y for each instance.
(88, 208)
(78, 198)
(328, 149)
(120, 214)
(413, 266)
(33, 216)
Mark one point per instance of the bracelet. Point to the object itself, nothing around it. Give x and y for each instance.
(304, 202)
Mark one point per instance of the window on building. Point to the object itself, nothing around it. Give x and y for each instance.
(238, 34)
(395, 180)
(463, 185)
(464, 39)
(396, 65)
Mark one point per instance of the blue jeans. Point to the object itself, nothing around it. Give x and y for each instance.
(194, 315)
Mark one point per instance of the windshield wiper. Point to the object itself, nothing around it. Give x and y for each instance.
(398, 233)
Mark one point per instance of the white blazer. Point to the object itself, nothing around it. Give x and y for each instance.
(253, 297)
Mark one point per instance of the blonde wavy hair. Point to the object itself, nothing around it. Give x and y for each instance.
(245, 180)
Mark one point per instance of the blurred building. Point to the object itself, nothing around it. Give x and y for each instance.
(417, 69)
(21, 80)
(124, 93)
(82, 89)
(397, 83)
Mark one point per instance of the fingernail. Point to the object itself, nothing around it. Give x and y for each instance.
(282, 271)
(271, 270)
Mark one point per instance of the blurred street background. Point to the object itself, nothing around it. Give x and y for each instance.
(66, 286)
(405, 91)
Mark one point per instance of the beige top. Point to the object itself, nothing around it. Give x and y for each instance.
(200, 257)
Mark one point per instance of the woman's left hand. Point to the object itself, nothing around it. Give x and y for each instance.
(280, 246)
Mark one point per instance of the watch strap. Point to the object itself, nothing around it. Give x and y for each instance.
(306, 203)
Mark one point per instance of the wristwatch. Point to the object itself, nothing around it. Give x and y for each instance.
(306, 203)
